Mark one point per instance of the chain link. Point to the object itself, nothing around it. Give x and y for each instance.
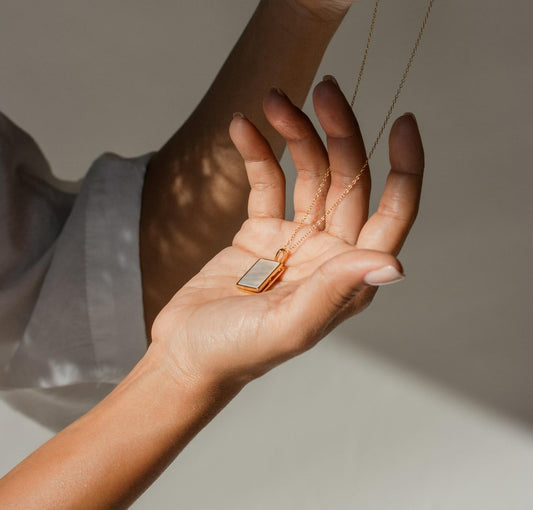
(363, 62)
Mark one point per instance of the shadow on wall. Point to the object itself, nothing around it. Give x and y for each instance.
(472, 336)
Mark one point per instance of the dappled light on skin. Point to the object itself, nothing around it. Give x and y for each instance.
(184, 195)
(202, 155)
(202, 208)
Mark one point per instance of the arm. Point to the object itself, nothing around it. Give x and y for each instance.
(195, 193)
(107, 458)
(211, 339)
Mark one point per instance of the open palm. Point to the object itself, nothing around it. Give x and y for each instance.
(212, 329)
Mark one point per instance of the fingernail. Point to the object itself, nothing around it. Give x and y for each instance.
(279, 92)
(383, 276)
(410, 114)
(331, 78)
(239, 115)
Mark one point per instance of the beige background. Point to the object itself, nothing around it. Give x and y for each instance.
(426, 400)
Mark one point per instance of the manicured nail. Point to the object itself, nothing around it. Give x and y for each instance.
(331, 78)
(383, 276)
(279, 92)
(239, 115)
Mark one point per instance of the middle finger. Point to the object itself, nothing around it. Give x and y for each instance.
(347, 156)
(307, 151)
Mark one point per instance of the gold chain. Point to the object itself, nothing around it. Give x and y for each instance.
(363, 62)
(291, 245)
(327, 173)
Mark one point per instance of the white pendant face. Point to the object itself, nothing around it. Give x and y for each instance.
(261, 276)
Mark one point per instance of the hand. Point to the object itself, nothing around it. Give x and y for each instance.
(214, 332)
(325, 10)
(199, 165)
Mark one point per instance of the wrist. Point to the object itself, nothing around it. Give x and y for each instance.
(326, 16)
(207, 390)
(299, 16)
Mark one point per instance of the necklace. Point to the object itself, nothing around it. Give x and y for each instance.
(266, 272)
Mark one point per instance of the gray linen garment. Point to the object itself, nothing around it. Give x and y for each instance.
(71, 315)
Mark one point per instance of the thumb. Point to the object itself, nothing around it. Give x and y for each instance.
(333, 286)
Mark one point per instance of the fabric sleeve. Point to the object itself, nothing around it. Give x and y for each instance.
(70, 285)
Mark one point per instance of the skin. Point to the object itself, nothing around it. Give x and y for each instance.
(212, 339)
(196, 190)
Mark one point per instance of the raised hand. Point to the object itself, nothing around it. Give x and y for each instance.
(215, 332)
(195, 190)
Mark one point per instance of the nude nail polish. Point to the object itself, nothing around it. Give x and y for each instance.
(383, 276)
(331, 78)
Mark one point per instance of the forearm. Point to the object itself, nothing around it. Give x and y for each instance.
(281, 46)
(107, 458)
(196, 190)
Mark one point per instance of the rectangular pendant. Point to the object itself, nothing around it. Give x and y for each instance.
(261, 276)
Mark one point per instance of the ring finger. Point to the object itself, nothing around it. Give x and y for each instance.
(347, 157)
(389, 226)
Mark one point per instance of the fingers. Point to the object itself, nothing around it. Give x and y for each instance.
(331, 290)
(306, 148)
(388, 228)
(267, 194)
(347, 156)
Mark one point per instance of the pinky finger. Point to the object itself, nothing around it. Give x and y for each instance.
(267, 182)
(389, 226)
